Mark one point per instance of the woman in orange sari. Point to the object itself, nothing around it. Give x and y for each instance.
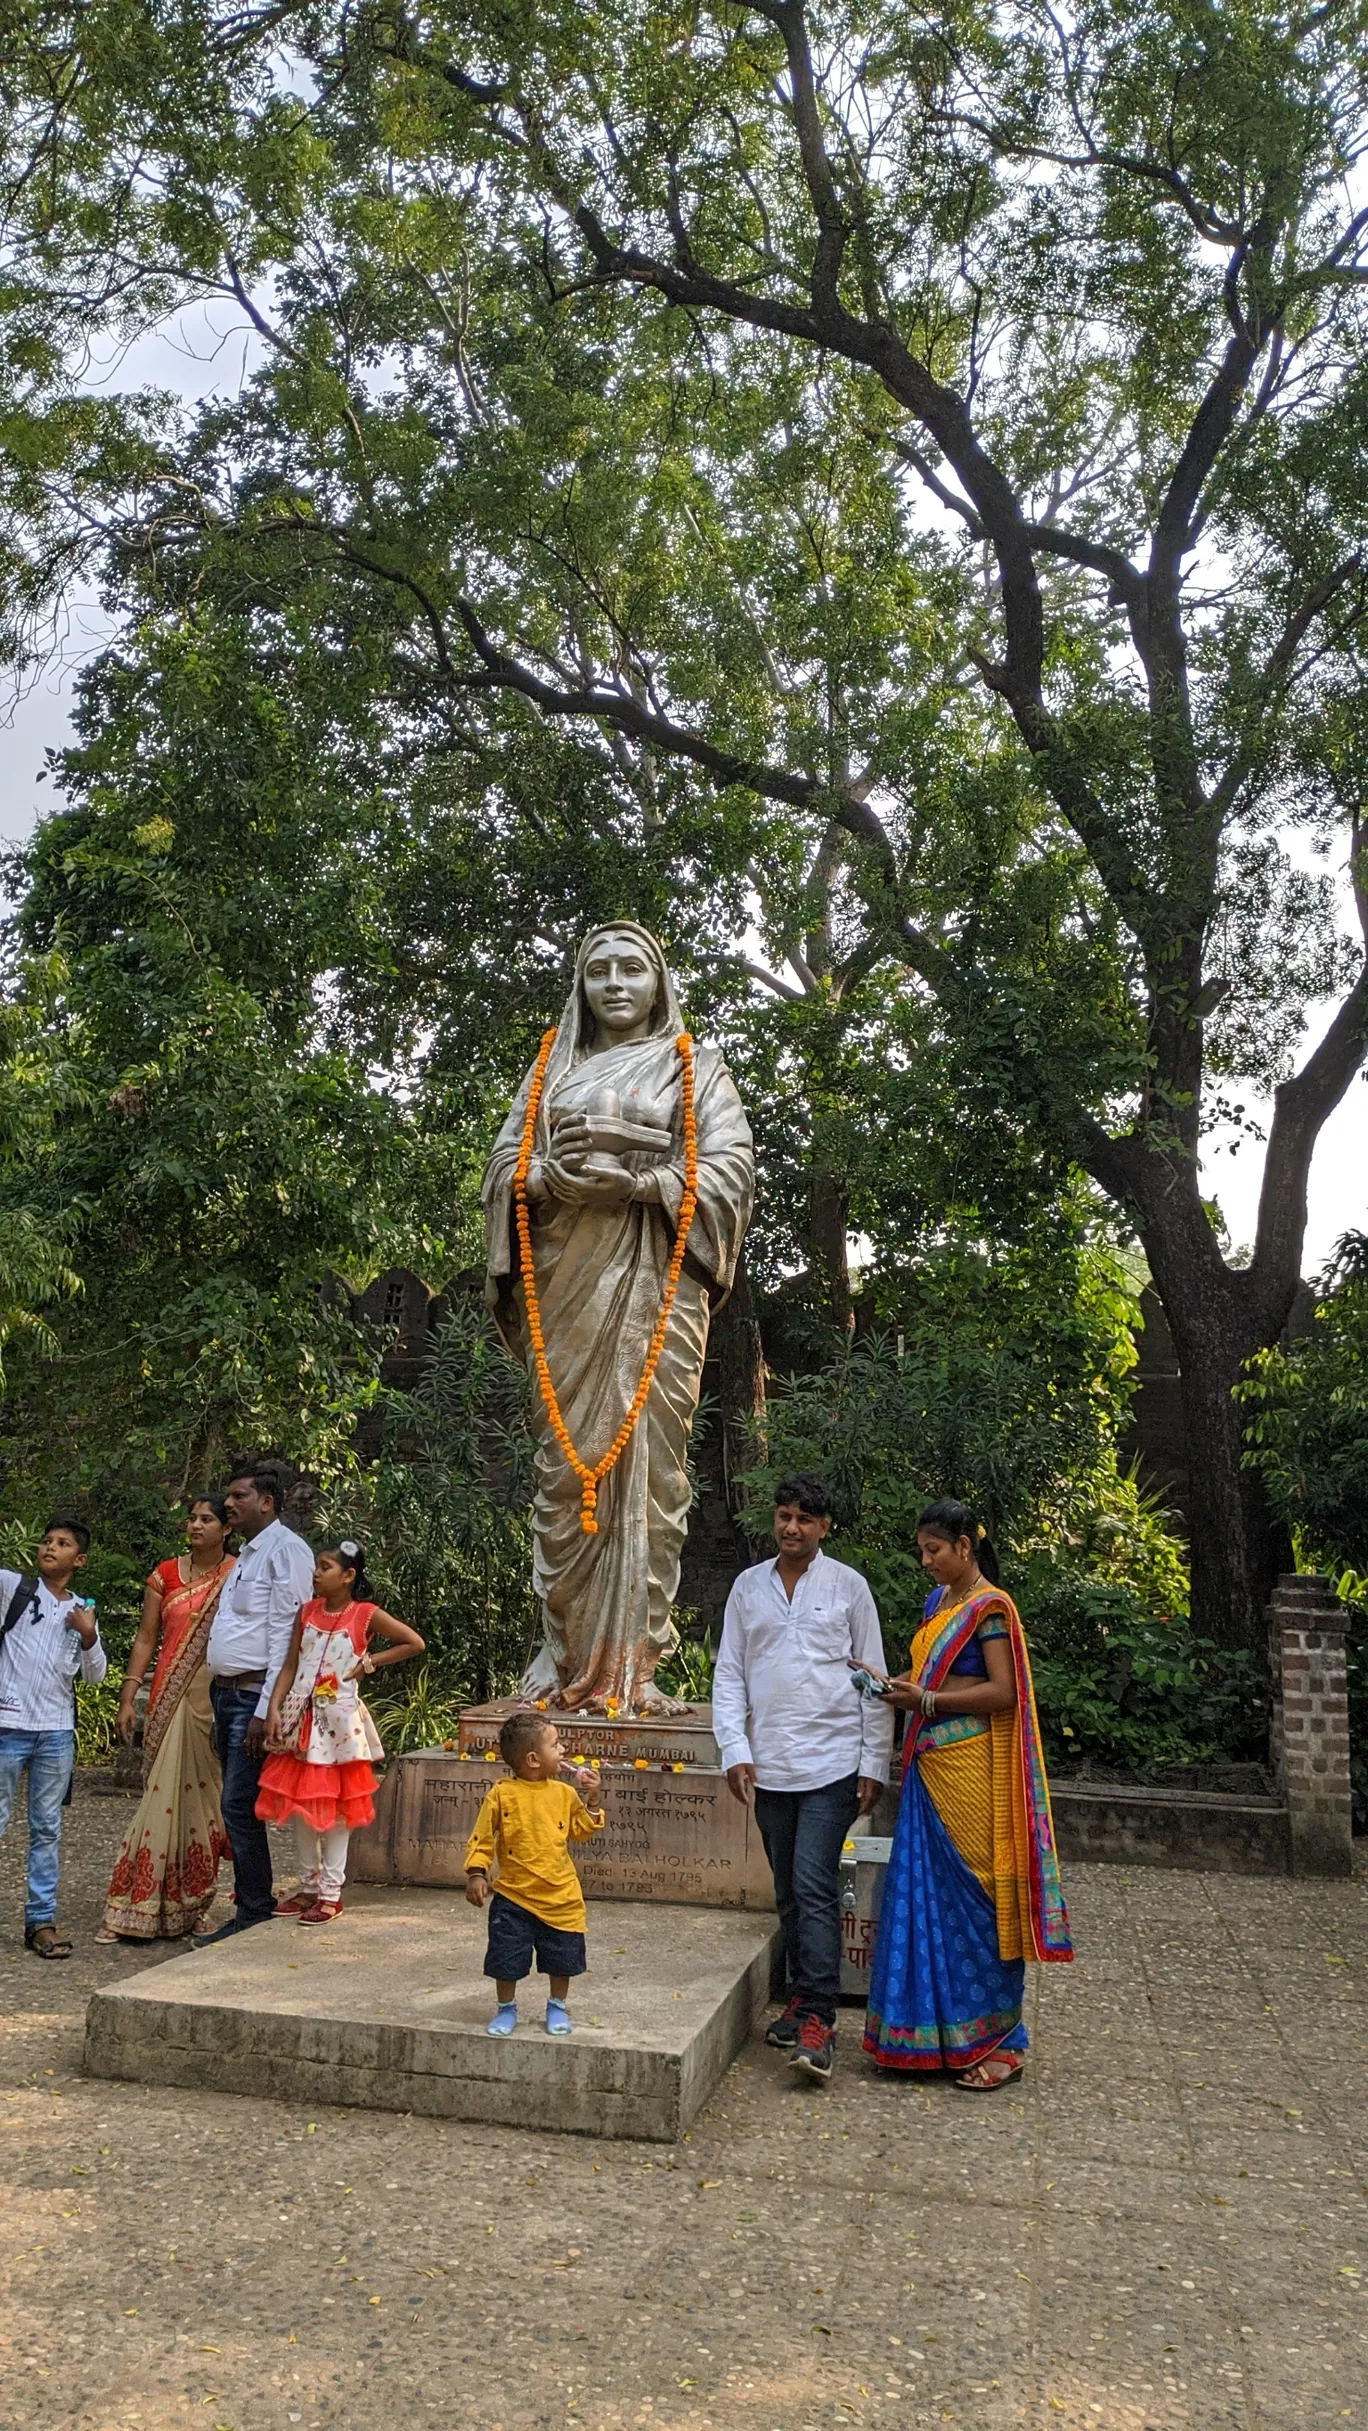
(972, 1888)
(165, 1876)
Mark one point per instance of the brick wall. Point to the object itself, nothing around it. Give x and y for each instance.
(1310, 1726)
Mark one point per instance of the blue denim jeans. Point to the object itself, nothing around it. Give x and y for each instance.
(47, 1756)
(252, 1883)
(802, 1831)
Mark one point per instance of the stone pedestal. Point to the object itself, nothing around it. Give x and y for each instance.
(673, 1832)
(679, 1739)
(1307, 1625)
(389, 2008)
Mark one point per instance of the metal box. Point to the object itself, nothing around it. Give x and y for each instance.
(864, 1862)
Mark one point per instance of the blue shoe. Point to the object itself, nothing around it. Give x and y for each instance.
(505, 2018)
(558, 2018)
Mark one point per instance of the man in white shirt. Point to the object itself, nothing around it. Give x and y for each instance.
(248, 1642)
(47, 1636)
(795, 1735)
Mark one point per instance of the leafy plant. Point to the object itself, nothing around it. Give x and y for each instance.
(688, 1671)
(445, 1512)
(1306, 1418)
(1122, 1689)
(423, 1709)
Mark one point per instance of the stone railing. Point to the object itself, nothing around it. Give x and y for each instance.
(1310, 1726)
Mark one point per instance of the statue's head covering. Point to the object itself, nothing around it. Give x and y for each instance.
(575, 1031)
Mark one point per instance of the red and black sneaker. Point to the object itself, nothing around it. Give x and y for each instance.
(782, 2032)
(814, 2049)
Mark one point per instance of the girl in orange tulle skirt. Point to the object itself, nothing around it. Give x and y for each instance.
(322, 1742)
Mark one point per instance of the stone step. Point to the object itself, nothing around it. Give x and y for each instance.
(388, 2007)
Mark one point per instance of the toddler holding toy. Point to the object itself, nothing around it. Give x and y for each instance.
(537, 1911)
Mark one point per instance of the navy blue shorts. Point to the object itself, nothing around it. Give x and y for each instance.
(515, 1934)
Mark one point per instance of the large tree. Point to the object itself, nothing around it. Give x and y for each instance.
(943, 437)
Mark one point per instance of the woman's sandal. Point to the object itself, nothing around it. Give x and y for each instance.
(1007, 2061)
(105, 1934)
(53, 1947)
(322, 1912)
(298, 1904)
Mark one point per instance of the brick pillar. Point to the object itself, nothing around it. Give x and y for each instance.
(1310, 1728)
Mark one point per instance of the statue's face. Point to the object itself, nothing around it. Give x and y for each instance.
(620, 985)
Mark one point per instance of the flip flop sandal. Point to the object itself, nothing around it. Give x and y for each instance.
(56, 1948)
(995, 2084)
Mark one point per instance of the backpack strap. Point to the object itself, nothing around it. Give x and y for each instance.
(25, 1593)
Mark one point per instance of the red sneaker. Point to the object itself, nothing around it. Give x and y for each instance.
(782, 2032)
(814, 2049)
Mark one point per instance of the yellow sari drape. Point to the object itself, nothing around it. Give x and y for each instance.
(978, 1787)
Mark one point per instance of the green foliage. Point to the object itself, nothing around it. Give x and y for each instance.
(444, 1512)
(688, 1672)
(1125, 1690)
(216, 1173)
(1005, 1387)
(1307, 1419)
(421, 1709)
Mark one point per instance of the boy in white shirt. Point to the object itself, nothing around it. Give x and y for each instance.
(795, 1736)
(47, 1636)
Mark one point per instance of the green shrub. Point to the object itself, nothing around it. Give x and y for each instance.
(423, 1709)
(445, 1514)
(1129, 1691)
(688, 1672)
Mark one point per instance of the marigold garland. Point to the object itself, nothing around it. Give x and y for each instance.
(592, 1479)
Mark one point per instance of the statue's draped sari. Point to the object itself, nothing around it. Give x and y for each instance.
(972, 1889)
(601, 1274)
(166, 1871)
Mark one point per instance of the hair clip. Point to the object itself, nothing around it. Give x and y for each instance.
(347, 1546)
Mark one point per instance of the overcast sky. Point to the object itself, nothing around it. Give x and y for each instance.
(203, 353)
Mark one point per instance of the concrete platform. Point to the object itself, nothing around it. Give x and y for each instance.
(387, 2009)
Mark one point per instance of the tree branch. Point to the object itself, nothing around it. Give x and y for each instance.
(1301, 1107)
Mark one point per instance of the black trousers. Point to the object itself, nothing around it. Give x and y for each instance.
(252, 1880)
(802, 1831)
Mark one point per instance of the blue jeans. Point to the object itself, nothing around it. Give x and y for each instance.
(48, 1756)
(253, 1887)
(802, 1831)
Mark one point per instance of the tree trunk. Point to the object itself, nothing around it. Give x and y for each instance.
(1218, 1320)
(828, 1246)
(1237, 1546)
(741, 1379)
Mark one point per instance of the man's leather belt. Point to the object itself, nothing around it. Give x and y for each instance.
(238, 1679)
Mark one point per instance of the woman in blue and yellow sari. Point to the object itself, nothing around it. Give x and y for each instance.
(972, 1889)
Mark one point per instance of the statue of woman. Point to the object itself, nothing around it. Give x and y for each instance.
(604, 1188)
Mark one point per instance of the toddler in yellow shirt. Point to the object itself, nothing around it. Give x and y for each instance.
(528, 1823)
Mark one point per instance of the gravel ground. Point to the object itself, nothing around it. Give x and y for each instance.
(1164, 2228)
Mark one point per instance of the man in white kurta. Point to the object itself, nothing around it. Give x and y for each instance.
(795, 1736)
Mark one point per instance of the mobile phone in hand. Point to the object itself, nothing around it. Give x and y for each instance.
(866, 1683)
